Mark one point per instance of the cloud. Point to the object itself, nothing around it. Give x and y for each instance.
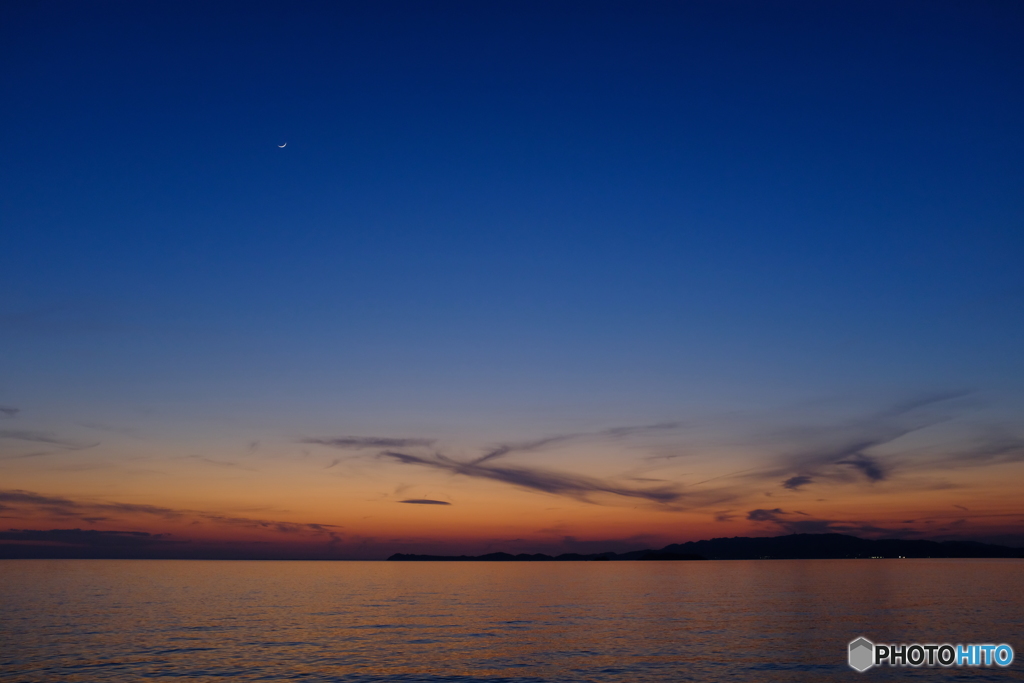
(922, 401)
(85, 537)
(481, 467)
(831, 453)
(618, 432)
(815, 526)
(866, 464)
(794, 526)
(820, 462)
(505, 449)
(90, 510)
(796, 482)
(572, 485)
(360, 442)
(8, 411)
(424, 501)
(765, 515)
(610, 433)
(838, 452)
(785, 521)
(852, 452)
(41, 437)
(20, 496)
(63, 507)
(987, 450)
(283, 527)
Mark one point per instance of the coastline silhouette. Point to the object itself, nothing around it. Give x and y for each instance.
(790, 547)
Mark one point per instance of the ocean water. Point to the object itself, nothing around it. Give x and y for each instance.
(357, 622)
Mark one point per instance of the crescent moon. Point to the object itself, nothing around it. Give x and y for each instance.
(284, 145)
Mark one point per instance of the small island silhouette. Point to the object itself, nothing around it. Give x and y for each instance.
(790, 547)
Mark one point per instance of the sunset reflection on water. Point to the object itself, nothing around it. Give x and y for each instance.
(82, 620)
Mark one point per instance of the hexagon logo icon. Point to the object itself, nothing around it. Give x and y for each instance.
(862, 654)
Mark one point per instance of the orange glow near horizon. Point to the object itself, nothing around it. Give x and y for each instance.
(617, 493)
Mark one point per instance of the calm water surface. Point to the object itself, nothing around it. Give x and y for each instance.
(109, 620)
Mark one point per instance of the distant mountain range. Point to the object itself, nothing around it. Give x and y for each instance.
(791, 547)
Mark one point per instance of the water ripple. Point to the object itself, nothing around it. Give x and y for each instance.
(97, 621)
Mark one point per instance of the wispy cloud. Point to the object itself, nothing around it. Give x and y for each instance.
(632, 430)
(424, 501)
(361, 442)
(46, 439)
(988, 449)
(66, 507)
(841, 453)
(785, 521)
(41, 437)
(806, 456)
(847, 453)
(20, 496)
(537, 444)
(89, 511)
(85, 537)
(526, 446)
(796, 522)
(572, 485)
(864, 452)
(482, 467)
(8, 411)
(869, 466)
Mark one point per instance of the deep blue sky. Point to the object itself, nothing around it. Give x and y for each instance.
(502, 215)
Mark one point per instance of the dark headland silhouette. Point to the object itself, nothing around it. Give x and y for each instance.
(125, 545)
(791, 547)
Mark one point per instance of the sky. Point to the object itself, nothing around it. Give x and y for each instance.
(332, 279)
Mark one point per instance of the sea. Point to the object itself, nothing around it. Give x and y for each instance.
(523, 622)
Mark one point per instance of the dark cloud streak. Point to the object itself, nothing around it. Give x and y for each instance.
(572, 485)
(43, 437)
(360, 442)
(611, 433)
(794, 483)
(88, 511)
(832, 453)
(866, 464)
(783, 520)
(85, 537)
